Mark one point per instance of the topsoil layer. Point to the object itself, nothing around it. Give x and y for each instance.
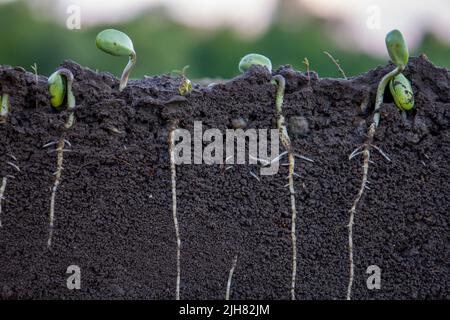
(113, 213)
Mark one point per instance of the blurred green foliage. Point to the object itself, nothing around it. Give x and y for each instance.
(163, 45)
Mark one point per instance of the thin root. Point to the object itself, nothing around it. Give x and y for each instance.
(356, 152)
(303, 157)
(230, 277)
(57, 181)
(381, 152)
(286, 141)
(254, 176)
(49, 144)
(276, 159)
(13, 165)
(263, 161)
(174, 208)
(68, 143)
(2, 192)
(352, 211)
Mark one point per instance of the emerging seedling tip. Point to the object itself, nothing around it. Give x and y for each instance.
(60, 85)
(254, 58)
(117, 43)
(397, 48)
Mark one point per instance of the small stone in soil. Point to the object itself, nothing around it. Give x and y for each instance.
(298, 127)
(239, 123)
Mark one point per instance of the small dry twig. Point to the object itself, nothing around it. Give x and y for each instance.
(336, 62)
(306, 63)
(36, 78)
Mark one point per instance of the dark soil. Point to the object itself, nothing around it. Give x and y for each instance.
(114, 208)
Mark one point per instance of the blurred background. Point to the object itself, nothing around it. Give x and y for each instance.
(212, 35)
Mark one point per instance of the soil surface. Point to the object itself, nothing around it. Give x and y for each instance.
(113, 214)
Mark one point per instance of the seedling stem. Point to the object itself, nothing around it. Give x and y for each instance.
(398, 51)
(60, 145)
(286, 142)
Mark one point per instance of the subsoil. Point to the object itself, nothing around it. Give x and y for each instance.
(113, 213)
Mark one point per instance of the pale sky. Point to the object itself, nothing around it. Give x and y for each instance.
(365, 22)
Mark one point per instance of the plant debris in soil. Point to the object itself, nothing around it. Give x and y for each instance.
(113, 212)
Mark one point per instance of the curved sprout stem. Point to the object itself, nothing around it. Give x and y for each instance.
(126, 72)
(70, 97)
(380, 92)
(286, 141)
(366, 161)
(71, 106)
(60, 149)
